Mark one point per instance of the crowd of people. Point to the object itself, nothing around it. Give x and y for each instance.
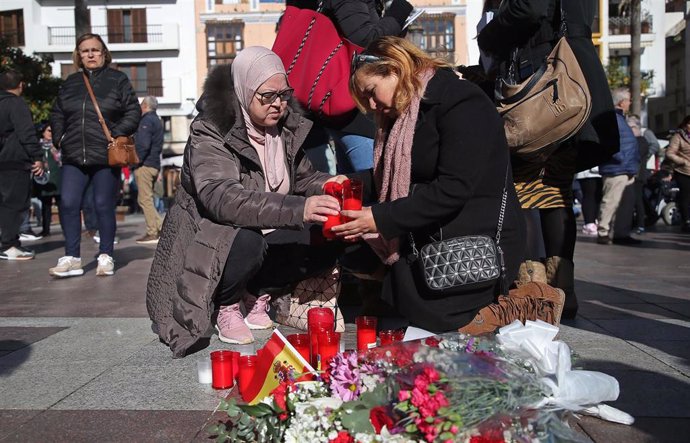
(430, 152)
(67, 157)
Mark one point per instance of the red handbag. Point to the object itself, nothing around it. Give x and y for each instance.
(317, 60)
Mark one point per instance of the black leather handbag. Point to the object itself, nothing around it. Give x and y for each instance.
(465, 262)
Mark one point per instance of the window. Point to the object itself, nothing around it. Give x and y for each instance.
(12, 27)
(439, 35)
(66, 69)
(145, 77)
(127, 26)
(223, 41)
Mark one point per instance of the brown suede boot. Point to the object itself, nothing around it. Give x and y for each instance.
(531, 270)
(505, 311)
(560, 273)
(542, 291)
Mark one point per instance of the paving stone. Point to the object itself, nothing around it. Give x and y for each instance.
(14, 338)
(10, 420)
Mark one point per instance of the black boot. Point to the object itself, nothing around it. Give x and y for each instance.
(560, 273)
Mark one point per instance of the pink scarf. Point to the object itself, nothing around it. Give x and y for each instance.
(393, 168)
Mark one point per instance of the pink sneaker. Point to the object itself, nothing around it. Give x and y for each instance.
(257, 308)
(231, 327)
(590, 229)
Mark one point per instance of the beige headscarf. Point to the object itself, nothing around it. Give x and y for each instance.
(250, 69)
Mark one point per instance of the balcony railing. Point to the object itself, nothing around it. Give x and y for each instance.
(65, 35)
(621, 25)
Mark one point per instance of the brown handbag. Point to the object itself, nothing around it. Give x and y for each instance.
(121, 149)
(548, 107)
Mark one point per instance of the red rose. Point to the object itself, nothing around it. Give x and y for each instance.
(343, 437)
(379, 418)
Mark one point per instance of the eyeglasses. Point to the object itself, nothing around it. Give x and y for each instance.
(90, 51)
(269, 97)
(361, 59)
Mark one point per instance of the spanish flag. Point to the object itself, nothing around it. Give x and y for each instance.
(277, 361)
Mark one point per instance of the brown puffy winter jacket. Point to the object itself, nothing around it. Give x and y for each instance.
(222, 190)
(678, 152)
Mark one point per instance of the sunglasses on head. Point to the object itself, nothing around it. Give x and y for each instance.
(361, 59)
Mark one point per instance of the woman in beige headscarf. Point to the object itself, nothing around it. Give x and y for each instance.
(242, 219)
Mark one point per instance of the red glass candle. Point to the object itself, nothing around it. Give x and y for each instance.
(329, 346)
(221, 370)
(398, 335)
(301, 344)
(247, 365)
(320, 318)
(366, 332)
(352, 196)
(333, 189)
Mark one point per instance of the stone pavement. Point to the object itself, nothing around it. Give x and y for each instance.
(79, 362)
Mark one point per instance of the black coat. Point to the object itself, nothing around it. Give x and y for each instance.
(459, 165)
(76, 131)
(19, 146)
(532, 26)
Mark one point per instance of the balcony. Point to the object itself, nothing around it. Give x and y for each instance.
(127, 38)
(621, 25)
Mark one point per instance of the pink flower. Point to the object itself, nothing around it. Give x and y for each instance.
(404, 395)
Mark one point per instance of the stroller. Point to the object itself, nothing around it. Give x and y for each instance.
(660, 192)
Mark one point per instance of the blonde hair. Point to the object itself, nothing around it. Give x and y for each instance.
(76, 57)
(397, 57)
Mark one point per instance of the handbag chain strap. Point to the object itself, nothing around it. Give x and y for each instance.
(101, 120)
(499, 227)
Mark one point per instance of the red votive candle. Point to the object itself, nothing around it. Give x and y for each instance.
(389, 336)
(318, 320)
(221, 370)
(247, 364)
(334, 189)
(301, 344)
(366, 332)
(235, 364)
(329, 346)
(352, 196)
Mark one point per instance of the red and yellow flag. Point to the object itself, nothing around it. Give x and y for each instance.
(276, 360)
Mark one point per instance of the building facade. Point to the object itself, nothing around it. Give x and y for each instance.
(151, 41)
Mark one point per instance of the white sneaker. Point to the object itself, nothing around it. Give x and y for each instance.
(97, 239)
(16, 253)
(106, 265)
(67, 266)
(29, 236)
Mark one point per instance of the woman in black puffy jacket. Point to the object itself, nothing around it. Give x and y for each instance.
(83, 145)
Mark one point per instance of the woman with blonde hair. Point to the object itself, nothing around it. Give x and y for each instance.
(441, 169)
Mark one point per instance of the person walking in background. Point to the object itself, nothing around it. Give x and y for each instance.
(519, 38)
(149, 143)
(20, 156)
(618, 173)
(79, 136)
(678, 152)
(642, 175)
(50, 191)
(590, 185)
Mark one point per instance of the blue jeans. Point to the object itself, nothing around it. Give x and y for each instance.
(353, 153)
(105, 182)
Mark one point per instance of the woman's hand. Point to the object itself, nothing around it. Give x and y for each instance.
(362, 222)
(318, 207)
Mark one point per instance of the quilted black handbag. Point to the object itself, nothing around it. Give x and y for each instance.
(466, 262)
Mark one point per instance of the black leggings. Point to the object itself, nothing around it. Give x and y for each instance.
(591, 197)
(261, 263)
(47, 211)
(683, 203)
(550, 233)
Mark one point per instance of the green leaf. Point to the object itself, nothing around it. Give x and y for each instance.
(260, 410)
(357, 421)
(411, 429)
(446, 436)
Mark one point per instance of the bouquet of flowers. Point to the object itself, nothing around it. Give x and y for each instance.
(450, 388)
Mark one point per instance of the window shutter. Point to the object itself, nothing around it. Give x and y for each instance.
(154, 80)
(139, 30)
(66, 69)
(115, 26)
